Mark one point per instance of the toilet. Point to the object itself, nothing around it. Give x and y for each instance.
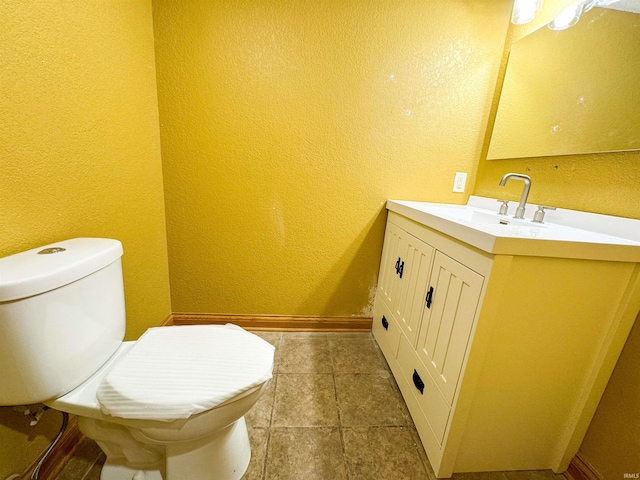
(169, 406)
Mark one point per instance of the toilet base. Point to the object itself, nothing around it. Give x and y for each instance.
(116, 470)
(223, 455)
(134, 455)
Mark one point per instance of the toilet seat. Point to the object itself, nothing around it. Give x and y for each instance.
(175, 372)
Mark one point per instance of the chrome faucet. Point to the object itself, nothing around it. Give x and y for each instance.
(525, 191)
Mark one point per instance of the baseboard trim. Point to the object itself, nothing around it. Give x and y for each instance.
(579, 469)
(167, 321)
(291, 323)
(61, 453)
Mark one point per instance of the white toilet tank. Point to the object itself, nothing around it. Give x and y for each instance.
(62, 316)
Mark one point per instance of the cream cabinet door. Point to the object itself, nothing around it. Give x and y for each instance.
(387, 283)
(404, 276)
(451, 303)
(416, 259)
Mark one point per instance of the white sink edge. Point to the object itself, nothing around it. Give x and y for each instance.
(621, 227)
(566, 240)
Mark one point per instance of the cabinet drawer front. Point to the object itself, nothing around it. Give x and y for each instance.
(417, 382)
(446, 325)
(385, 331)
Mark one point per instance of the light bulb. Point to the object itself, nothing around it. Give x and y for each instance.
(567, 18)
(524, 11)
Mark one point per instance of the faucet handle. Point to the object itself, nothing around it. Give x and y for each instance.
(504, 207)
(538, 217)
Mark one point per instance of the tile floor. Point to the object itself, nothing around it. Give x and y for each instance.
(331, 412)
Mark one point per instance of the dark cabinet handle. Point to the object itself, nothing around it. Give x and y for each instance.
(417, 381)
(429, 297)
(399, 267)
(385, 323)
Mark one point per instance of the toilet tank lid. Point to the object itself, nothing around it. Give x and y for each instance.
(52, 266)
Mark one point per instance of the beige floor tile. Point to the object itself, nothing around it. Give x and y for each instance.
(355, 355)
(369, 400)
(258, 439)
(82, 461)
(479, 476)
(423, 455)
(305, 400)
(288, 335)
(304, 354)
(260, 414)
(381, 453)
(305, 454)
(94, 471)
(275, 339)
(333, 411)
(533, 475)
(362, 335)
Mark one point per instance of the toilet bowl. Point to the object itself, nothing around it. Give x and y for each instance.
(169, 406)
(199, 432)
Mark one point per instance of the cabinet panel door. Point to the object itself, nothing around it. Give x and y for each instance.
(446, 325)
(387, 276)
(417, 258)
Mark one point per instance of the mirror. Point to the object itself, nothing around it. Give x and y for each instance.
(572, 91)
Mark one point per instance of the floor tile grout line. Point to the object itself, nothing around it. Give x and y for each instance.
(422, 454)
(268, 439)
(344, 453)
(273, 404)
(263, 470)
(340, 420)
(95, 460)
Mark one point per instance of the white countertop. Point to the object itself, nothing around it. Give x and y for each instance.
(565, 233)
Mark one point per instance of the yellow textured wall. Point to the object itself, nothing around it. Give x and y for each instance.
(607, 183)
(80, 154)
(286, 125)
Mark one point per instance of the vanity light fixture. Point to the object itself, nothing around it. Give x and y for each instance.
(567, 18)
(524, 11)
(570, 16)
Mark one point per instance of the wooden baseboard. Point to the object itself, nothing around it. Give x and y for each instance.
(61, 453)
(579, 469)
(292, 323)
(167, 321)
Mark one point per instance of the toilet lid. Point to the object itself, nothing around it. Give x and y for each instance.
(175, 372)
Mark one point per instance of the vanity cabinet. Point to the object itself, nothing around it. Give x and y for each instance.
(501, 359)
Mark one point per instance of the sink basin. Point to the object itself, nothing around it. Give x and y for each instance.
(478, 217)
(565, 233)
(471, 215)
(495, 219)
